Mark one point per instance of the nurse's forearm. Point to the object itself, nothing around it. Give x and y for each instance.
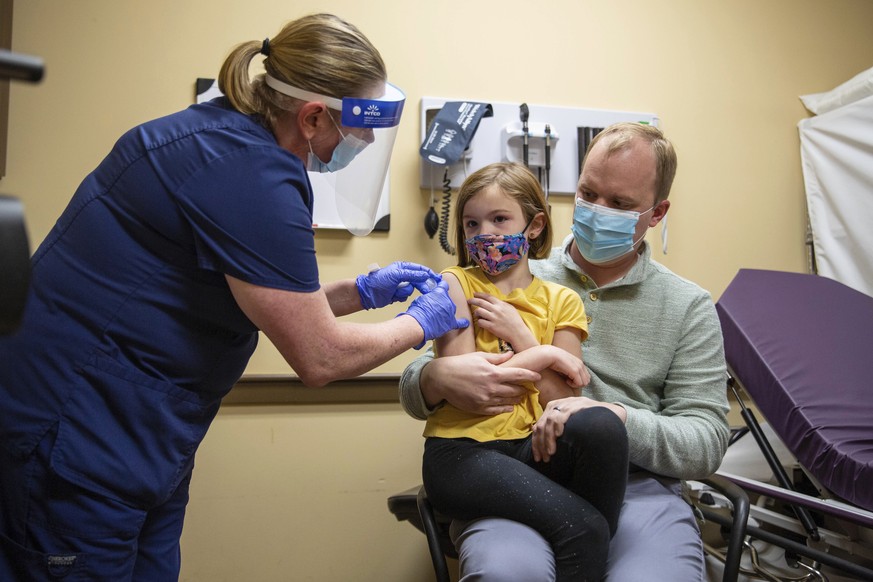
(345, 350)
(343, 297)
(368, 345)
(318, 346)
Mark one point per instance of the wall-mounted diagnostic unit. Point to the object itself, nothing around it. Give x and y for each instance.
(550, 140)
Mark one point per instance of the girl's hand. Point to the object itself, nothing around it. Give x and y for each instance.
(501, 319)
(548, 357)
(570, 367)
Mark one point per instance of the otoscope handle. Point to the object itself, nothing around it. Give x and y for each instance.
(524, 114)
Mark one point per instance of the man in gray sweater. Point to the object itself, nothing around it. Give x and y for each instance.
(656, 359)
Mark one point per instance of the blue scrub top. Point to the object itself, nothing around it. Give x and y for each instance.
(131, 335)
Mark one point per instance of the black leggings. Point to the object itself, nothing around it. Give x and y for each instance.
(573, 500)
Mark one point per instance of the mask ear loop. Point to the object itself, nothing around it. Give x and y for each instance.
(332, 120)
(529, 222)
(663, 231)
(526, 226)
(664, 234)
(327, 110)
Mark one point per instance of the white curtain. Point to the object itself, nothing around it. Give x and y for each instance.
(836, 147)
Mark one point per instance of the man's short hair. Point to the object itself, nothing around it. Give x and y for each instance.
(622, 134)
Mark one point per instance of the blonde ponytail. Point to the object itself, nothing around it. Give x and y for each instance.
(321, 53)
(234, 80)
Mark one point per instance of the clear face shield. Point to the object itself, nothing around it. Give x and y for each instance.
(358, 186)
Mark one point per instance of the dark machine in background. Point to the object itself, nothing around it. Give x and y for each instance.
(14, 246)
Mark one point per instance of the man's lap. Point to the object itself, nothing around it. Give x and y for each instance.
(657, 539)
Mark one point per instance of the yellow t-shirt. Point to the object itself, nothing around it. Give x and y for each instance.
(544, 307)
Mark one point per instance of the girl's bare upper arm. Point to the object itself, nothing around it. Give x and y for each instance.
(460, 341)
(569, 339)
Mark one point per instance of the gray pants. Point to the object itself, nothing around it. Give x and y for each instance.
(657, 539)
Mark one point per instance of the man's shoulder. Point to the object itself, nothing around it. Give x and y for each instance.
(676, 285)
(668, 277)
(551, 268)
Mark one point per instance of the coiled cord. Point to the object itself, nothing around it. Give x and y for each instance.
(445, 212)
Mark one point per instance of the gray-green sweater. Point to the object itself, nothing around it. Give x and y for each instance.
(655, 347)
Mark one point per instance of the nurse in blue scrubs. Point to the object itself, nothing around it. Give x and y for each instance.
(147, 296)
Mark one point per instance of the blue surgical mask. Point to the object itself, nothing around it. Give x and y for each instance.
(604, 234)
(343, 154)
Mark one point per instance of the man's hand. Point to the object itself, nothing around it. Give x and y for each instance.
(475, 382)
(551, 424)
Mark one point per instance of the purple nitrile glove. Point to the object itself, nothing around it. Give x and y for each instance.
(396, 282)
(435, 313)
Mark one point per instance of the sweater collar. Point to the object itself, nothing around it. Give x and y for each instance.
(636, 274)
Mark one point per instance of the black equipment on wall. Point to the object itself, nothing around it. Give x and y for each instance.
(447, 142)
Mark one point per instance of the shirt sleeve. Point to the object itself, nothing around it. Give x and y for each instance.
(411, 398)
(251, 216)
(571, 312)
(688, 436)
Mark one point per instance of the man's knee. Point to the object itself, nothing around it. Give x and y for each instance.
(500, 550)
(657, 537)
(679, 564)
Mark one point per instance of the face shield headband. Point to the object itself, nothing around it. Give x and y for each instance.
(359, 186)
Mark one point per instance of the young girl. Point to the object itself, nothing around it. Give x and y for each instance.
(483, 466)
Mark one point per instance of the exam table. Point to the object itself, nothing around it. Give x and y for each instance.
(799, 350)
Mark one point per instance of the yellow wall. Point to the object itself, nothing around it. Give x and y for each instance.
(274, 484)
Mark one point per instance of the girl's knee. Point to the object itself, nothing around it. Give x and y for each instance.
(595, 424)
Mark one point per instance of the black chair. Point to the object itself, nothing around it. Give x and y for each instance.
(14, 264)
(412, 505)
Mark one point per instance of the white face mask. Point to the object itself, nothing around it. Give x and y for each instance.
(343, 154)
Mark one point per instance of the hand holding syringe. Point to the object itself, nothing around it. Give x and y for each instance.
(396, 282)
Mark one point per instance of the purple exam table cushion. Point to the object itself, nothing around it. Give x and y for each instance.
(802, 346)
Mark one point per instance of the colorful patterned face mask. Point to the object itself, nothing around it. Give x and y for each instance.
(495, 253)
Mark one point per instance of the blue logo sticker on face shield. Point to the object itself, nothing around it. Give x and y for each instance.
(368, 113)
(374, 113)
(356, 111)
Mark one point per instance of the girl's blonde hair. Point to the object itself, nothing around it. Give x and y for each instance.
(517, 182)
(321, 53)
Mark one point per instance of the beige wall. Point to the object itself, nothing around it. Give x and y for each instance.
(298, 492)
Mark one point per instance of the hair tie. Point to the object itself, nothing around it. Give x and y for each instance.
(265, 47)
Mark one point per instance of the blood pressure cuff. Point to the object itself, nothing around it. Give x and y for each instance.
(451, 131)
